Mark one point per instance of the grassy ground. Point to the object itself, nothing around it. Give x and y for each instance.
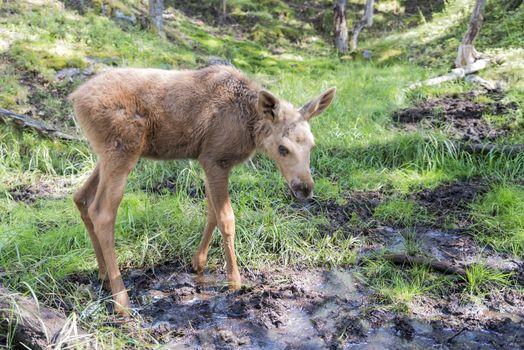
(359, 149)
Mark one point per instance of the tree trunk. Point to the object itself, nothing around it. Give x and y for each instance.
(466, 52)
(222, 17)
(340, 26)
(37, 327)
(366, 21)
(156, 10)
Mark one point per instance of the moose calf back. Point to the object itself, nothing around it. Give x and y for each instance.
(167, 114)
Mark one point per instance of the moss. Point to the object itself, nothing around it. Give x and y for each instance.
(12, 93)
(30, 57)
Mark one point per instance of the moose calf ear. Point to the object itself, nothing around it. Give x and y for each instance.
(267, 104)
(318, 104)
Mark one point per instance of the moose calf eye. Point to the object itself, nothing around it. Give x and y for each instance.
(283, 151)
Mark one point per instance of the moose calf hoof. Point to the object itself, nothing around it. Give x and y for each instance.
(123, 311)
(122, 307)
(198, 264)
(234, 282)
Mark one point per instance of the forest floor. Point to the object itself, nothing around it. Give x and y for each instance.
(392, 167)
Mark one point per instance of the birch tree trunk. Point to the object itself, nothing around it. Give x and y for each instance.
(466, 52)
(156, 10)
(340, 26)
(366, 21)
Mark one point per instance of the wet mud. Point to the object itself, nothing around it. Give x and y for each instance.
(311, 309)
(459, 116)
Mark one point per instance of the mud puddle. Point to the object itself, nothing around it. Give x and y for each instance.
(306, 309)
(460, 116)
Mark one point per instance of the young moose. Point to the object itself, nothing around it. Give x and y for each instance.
(215, 115)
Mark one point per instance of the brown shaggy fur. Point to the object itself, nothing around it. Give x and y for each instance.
(215, 115)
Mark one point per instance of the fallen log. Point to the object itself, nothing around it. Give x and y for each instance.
(440, 266)
(37, 327)
(455, 74)
(28, 122)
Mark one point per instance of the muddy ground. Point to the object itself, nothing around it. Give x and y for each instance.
(460, 116)
(313, 308)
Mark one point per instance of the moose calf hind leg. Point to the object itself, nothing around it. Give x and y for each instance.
(83, 199)
(103, 210)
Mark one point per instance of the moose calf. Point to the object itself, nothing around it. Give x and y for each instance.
(215, 115)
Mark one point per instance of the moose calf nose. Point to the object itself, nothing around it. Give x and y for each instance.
(302, 191)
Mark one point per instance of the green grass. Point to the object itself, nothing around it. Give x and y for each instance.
(400, 286)
(411, 243)
(402, 212)
(358, 149)
(499, 221)
(12, 93)
(481, 279)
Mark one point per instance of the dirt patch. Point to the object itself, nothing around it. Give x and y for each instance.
(28, 194)
(450, 202)
(359, 205)
(460, 116)
(169, 185)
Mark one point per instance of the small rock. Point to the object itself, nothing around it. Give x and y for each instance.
(121, 16)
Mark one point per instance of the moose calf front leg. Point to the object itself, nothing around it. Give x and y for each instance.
(219, 195)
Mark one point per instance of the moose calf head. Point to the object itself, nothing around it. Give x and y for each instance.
(289, 139)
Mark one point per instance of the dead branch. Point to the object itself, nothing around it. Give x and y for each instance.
(455, 74)
(440, 266)
(28, 122)
(37, 327)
